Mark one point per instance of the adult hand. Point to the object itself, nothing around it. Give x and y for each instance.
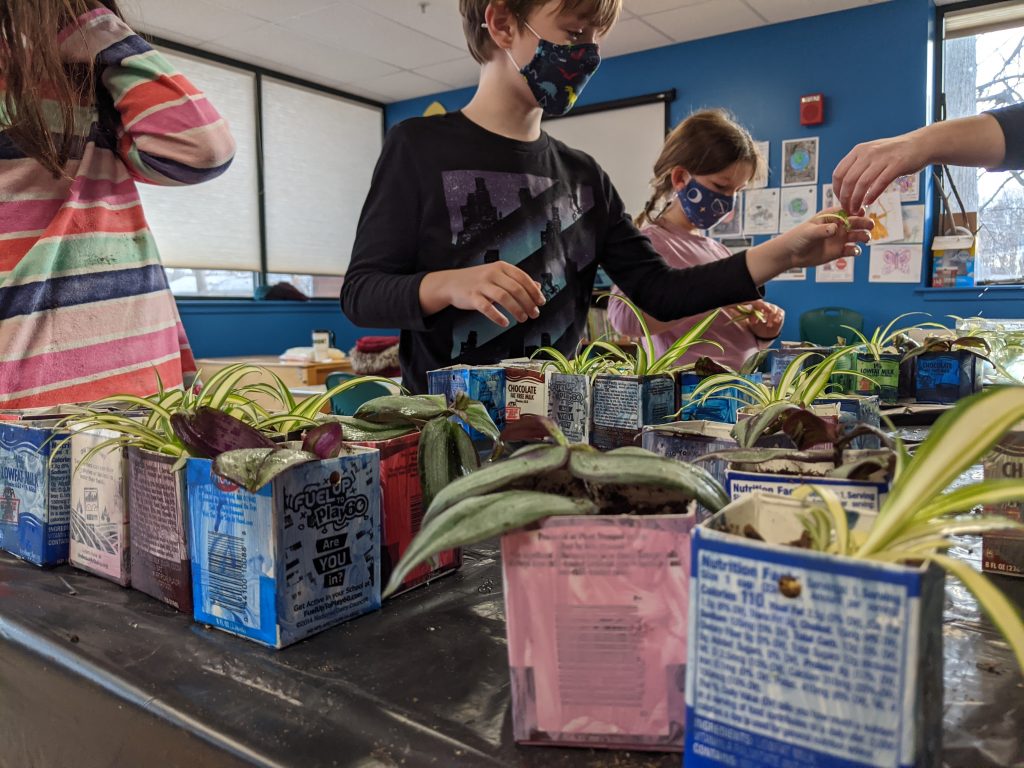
(484, 289)
(767, 320)
(868, 170)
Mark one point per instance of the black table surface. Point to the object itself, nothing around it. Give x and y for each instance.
(95, 675)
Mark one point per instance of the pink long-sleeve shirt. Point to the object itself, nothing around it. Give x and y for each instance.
(680, 248)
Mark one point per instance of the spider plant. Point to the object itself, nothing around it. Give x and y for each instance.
(643, 363)
(594, 358)
(884, 340)
(920, 517)
(557, 478)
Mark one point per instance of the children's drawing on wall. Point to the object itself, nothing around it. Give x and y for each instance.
(761, 212)
(796, 273)
(887, 214)
(732, 224)
(908, 187)
(760, 180)
(798, 205)
(838, 271)
(828, 197)
(799, 162)
(913, 224)
(896, 263)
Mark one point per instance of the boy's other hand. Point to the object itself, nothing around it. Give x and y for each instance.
(484, 289)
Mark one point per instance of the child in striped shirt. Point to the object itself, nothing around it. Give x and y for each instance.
(85, 308)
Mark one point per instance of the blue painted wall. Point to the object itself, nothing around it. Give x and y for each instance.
(229, 328)
(874, 65)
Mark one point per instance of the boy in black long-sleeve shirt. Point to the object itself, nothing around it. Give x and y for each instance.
(481, 235)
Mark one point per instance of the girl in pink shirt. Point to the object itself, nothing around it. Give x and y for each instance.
(706, 160)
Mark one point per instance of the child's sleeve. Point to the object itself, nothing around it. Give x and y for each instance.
(169, 133)
(382, 282)
(664, 292)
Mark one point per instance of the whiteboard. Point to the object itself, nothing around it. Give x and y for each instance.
(624, 141)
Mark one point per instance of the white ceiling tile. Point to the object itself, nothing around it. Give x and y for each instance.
(709, 18)
(631, 35)
(646, 7)
(787, 10)
(197, 20)
(275, 10)
(356, 29)
(402, 85)
(457, 74)
(438, 18)
(287, 51)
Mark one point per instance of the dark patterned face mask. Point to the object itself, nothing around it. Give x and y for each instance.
(557, 74)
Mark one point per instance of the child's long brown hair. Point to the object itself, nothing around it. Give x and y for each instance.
(708, 141)
(35, 80)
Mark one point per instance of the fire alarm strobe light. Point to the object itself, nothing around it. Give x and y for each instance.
(812, 109)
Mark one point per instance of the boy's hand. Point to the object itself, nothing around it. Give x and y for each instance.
(484, 289)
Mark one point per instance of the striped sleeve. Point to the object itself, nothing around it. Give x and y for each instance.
(171, 134)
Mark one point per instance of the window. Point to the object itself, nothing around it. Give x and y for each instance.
(983, 69)
(309, 151)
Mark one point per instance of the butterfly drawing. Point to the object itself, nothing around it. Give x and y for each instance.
(897, 261)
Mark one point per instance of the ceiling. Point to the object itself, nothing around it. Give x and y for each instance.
(390, 50)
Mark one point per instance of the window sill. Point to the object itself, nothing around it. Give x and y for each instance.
(220, 306)
(972, 293)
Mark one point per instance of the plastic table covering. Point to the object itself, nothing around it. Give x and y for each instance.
(95, 675)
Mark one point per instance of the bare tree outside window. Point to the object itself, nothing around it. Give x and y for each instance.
(983, 72)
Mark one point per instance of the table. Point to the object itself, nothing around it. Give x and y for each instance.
(292, 372)
(92, 674)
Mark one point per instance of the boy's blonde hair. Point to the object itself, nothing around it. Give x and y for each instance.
(602, 14)
(708, 141)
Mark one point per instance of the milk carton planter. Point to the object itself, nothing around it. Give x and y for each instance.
(855, 495)
(486, 385)
(945, 377)
(1003, 552)
(624, 405)
(158, 537)
(570, 401)
(855, 410)
(597, 655)
(35, 491)
(401, 511)
(296, 557)
(722, 408)
(691, 441)
(525, 390)
(780, 359)
(99, 509)
(879, 376)
(817, 659)
(595, 547)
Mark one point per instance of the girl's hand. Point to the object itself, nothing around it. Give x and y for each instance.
(820, 241)
(766, 322)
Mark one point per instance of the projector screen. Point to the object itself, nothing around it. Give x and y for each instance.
(624, 141)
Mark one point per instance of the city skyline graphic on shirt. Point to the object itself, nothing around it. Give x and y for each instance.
(529, 221)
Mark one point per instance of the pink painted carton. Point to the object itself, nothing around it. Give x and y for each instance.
(596, 612)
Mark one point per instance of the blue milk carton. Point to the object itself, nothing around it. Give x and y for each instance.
(486, 385)
(857, 409)
(945, 377)
(623, 405)
(298, 556)
(721, 408)
(35, 491)
(802, 658)
(779, 359)
(691, 441)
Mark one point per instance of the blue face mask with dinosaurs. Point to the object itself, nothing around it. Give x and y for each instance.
(557, 74)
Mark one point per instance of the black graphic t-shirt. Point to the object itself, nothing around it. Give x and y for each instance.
(447, 193)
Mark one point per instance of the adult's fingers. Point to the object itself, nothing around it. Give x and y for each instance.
(841, 174)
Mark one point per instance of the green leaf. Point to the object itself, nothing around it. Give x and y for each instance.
(748, 431)
(476, 415)
(402, 409)
(839, 524)
(964, 499)
(500, 476)
(482, 517)
(956, 442)
(252, 468)
(650, 470)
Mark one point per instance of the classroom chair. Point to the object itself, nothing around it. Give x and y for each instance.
(822, 326)
(348, 402)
